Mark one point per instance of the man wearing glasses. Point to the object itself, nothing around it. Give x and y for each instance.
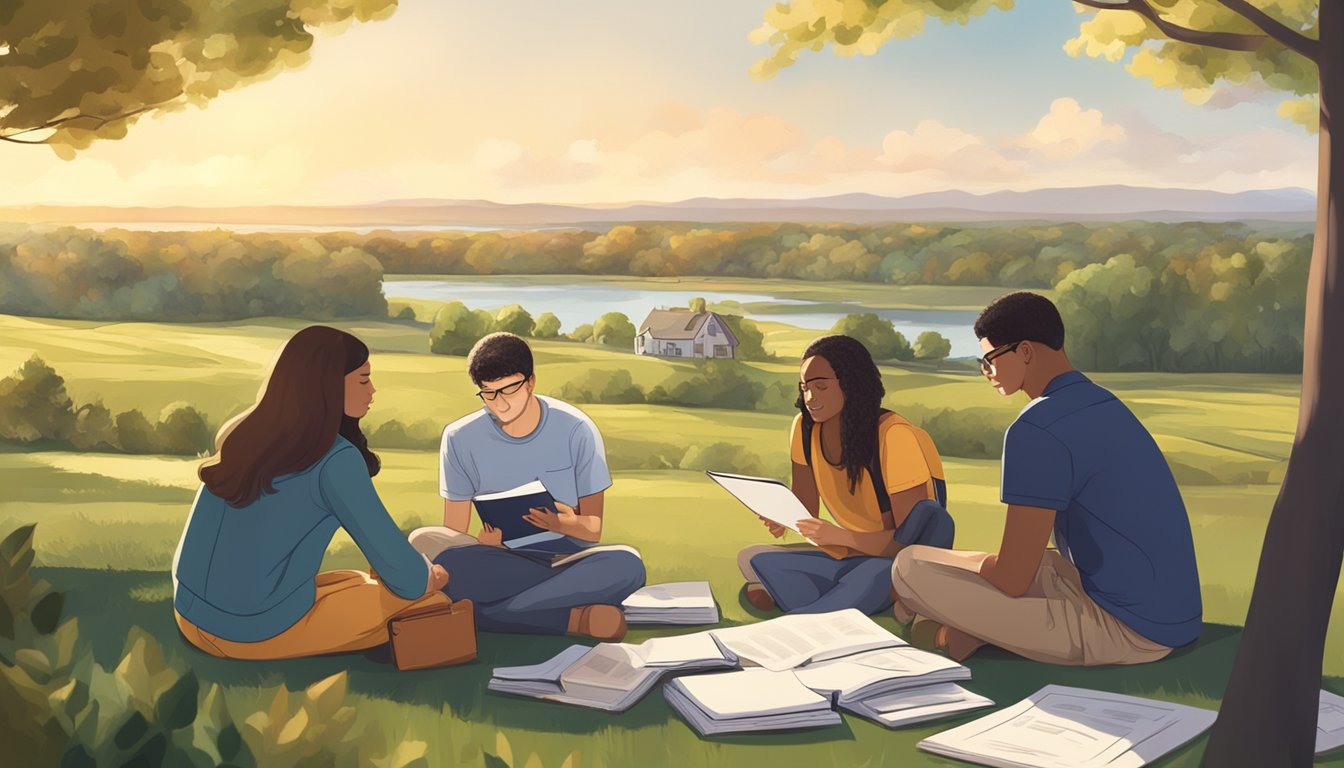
(517, 438)
(1122, 586)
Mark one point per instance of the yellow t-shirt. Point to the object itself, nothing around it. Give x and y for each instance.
(909, 459)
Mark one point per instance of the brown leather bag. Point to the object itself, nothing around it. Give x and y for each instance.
(434, 636)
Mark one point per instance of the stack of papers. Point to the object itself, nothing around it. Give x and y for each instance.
(611, 676)
(910, 706)
(748, 700)
(682, 602)
(1062, 727)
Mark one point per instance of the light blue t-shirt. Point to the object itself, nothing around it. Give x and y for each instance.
(564, 452)
(1119, 515)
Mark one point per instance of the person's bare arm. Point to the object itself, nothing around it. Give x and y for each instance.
(1025, 535)
(583, 522)
(884, 543)
(456, 515)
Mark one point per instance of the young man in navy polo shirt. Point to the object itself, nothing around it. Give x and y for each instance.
(1121, 587)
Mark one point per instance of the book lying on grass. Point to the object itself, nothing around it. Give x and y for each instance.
(767, 497)
(789, 641)
(505, 511)
(1063, 727)
(612, 676)
(869, 674)
(909, 706)
(679, 602)
(746, 701)
(1330, 723)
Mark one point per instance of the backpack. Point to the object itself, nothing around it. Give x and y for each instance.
(875, 472)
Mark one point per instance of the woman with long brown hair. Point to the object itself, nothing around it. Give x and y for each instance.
(285, 475)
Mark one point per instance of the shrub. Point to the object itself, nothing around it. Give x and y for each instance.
(614, 330)
(602, 386)
(457, 328)
(547, 326)
(876, 333)
(583, 333)
(182, 431)
(932, 345)
(516, 320)
(714, 384)
(722, 457)
(394, 434)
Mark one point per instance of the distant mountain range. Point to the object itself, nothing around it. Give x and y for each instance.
(1098, 203)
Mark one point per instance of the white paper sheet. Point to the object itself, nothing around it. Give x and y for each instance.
(788, 641)
(768, 498)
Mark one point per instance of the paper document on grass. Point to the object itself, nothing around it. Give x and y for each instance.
(748, 701)
(768, 498)
(1330, 723)
(788, 641)
(681, 602)
(1063, 727)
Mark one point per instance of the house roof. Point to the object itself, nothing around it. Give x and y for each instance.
(681, 324)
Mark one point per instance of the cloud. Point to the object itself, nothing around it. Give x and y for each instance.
(1068, 131)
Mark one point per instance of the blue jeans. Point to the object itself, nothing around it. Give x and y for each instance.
(811, 581)
(513, 593)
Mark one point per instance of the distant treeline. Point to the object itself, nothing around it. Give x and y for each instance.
(1135, 295)
(36, 412)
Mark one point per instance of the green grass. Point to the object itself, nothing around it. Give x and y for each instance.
(108, 525)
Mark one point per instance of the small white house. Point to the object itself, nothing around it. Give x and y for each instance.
(683, 333)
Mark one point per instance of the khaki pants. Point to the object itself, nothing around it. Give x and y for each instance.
(350, 614)
(1054, 622)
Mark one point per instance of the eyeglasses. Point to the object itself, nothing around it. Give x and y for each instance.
(507, 389)
(987, 362)
(804, 385)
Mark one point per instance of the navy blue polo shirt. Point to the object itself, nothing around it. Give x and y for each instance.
(1078, 450)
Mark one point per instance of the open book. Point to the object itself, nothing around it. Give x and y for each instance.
(505, 511)
(680, 602)
(874, 673)
(1330, 723)
(910, 706)
(612, 676)
(748, 700)
(1063, 727)
(789, 641)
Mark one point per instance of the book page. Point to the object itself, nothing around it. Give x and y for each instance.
(679, 594)
(679, 649)
(853, 673)
(607, 665)
(788, 641)
(749, 692)
(768, 498)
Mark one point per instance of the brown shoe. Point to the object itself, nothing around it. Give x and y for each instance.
(600, 622)
(759, 597)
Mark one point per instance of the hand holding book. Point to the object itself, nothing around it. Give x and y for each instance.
(563, 520)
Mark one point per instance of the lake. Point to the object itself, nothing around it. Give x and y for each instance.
(577, 304)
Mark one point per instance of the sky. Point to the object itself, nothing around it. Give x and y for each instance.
(612, 101)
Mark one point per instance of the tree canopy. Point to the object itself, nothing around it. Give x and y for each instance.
(76, 71)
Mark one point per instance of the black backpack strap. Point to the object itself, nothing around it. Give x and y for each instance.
(808, 424)
(879, 485)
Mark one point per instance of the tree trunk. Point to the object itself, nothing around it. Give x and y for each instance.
(1268, 716)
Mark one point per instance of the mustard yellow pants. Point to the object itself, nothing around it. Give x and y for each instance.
(350, 614)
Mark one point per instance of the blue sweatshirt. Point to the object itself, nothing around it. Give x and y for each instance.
(247, 573)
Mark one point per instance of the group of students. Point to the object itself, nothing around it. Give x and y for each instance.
(1120, 585)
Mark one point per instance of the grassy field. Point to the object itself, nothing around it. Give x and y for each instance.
(108, 525)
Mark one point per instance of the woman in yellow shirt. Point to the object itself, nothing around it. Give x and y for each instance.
(880, 476)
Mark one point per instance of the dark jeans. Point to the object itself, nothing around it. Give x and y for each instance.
(811, 581)
(513, 593)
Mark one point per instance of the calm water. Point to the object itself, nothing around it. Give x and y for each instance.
(575, 305)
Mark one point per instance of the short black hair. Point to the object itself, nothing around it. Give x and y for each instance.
(499, 355)
(1021, 316)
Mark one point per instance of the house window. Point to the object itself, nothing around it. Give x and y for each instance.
(674, 350)
(699, 348)
(713, 329)
(722, 350)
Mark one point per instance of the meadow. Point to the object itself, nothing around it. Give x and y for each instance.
(108, 525)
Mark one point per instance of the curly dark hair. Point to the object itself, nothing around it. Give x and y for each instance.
(861, 384)
(499, 355)
(1021, 316)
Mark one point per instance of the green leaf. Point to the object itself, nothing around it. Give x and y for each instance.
(493, 761)
(67, 635)
(47, 613)
(150, 754)
(20, 540)
(77, 756)
(229, 742)
(503, 748)
(176, 707)
(142, 674)
(131, 731)
(35, 663)
(325, 696)
(6, 620)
